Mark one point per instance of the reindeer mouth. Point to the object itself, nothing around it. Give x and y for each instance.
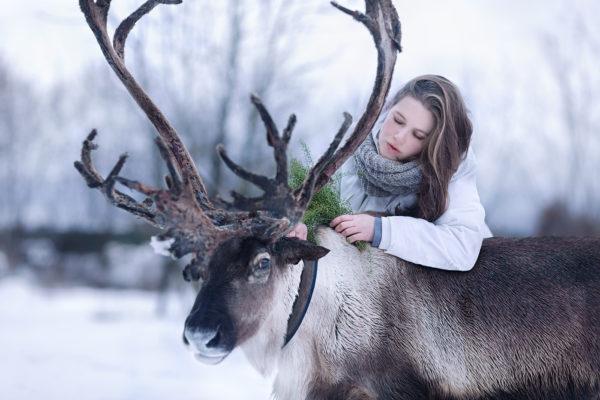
(211, 359)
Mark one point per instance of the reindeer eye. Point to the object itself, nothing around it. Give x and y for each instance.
(260, 268)
(264, 263)
(261, 262)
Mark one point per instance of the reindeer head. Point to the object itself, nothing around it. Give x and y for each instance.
(238, 290)
(238, 247)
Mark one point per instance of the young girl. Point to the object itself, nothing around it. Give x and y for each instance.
(418, 171)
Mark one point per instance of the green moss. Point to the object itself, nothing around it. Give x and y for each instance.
(326, 204)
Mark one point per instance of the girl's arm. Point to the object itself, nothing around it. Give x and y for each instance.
(453, 241)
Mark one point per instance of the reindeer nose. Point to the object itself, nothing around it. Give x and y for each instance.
(208, 345)
(209, 329)
(203, 339)
(210, 335)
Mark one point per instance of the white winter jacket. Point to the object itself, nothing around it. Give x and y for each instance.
(452, 242)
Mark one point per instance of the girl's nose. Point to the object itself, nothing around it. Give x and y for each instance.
(400, 135)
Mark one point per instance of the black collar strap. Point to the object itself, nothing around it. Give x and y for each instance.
(305, 291)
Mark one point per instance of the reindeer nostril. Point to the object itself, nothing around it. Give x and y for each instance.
(185, 341)
(214, 342)
(207, 341)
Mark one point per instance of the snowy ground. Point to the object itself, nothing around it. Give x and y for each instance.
(102, 344)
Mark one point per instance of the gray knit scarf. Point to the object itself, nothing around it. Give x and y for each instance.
(381, 177)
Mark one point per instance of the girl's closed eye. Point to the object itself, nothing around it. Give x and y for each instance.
(418, 136)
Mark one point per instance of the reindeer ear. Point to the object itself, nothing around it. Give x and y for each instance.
(292, 250)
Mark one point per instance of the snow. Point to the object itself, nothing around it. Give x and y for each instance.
(133, 265)
(80, 343)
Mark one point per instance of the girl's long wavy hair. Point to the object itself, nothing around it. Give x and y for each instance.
(446, 144)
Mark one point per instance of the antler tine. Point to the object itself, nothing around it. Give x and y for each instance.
(278, 143)
(175, 184)
(96, 17)
(272, 133)
(128, 23)
(103, 6)
(304, 193)
(106, 186)
(287, 132)
(277, 199)
(382, 22)
(282, 171)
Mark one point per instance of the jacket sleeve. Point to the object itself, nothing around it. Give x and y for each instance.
(453, 241)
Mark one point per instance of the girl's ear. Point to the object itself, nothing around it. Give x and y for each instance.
(292, 250)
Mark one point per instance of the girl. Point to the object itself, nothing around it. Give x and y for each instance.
(417, 170)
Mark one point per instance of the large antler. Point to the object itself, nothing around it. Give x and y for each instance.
(96, 13)
(191, 221)
(382, 22)
(381, 19)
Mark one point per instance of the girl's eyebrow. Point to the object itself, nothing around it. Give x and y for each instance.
(398, 113)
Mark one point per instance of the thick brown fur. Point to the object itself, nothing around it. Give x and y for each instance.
(523, 324)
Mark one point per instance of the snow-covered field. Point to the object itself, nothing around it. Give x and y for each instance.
(81, 343)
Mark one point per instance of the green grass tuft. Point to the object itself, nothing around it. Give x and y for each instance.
(326, 204)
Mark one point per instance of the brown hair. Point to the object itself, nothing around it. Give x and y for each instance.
(446, 143)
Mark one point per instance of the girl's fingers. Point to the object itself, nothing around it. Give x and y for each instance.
(355, 237)
(339, 219)
(343, 225)
(350, 231)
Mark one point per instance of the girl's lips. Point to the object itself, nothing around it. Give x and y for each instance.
(393, 148)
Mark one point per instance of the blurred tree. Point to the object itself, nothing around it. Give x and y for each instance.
(19, 129)
(572, 54)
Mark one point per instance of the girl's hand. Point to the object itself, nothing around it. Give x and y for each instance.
(355, 227)
(300, 231)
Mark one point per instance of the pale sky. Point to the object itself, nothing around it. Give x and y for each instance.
(49, 40)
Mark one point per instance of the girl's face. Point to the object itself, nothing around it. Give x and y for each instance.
(404, 130)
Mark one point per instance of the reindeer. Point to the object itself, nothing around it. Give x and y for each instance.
(523, 324)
